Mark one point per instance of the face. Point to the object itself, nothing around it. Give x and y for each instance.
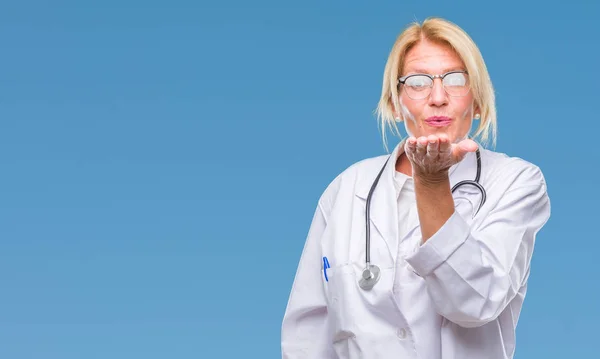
(440, 112)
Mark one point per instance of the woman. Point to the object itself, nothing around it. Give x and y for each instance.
(449, 269)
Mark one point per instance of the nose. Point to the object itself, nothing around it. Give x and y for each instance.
(438, 96)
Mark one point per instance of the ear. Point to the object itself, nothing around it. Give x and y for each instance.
(398, 116)
(398, 113)
(395, 111)
(476, 113)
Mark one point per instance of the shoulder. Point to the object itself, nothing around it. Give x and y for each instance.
(347, 179)
(511, 171)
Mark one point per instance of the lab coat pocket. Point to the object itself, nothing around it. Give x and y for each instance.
(338, 291)
(406, 277)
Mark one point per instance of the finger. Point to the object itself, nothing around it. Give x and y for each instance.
(433, 146)
(411, 145)
(445, 145)
(422, 143)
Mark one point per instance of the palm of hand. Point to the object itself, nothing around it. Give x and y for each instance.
(433, 155)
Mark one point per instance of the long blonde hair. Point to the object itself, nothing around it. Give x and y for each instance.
(446, 32)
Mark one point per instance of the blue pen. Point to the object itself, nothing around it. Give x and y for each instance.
(325, 266)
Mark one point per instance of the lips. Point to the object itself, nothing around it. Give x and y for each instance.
(438, 121)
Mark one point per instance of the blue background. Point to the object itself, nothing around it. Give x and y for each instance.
(160, 163)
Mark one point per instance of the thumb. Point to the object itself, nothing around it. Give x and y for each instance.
(463, 147)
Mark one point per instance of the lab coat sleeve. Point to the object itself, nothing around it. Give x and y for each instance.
(472, 274)
(304, 333)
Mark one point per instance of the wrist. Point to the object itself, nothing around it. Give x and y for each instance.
(432, 180)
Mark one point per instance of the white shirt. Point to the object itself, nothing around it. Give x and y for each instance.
(458, 295)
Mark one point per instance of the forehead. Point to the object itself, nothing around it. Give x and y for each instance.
(432, 58)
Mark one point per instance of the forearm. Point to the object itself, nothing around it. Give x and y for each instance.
(435, 204)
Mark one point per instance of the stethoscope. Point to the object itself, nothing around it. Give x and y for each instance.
(371, 273)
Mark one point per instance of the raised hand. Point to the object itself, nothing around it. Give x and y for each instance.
(432, 156)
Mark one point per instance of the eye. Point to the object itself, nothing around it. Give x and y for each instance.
(455, 79)
(418, 82)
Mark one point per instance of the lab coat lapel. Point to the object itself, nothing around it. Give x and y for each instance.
(383, 208)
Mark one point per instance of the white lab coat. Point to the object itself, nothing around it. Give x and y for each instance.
(471, 276)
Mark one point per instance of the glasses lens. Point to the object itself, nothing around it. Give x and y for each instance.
(418, 86)
(456, 84)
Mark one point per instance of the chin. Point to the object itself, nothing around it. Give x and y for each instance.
(439, 132)
(427, 130)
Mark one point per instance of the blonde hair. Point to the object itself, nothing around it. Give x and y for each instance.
(446, 32)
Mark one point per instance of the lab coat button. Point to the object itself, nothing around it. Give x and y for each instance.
(401, 333)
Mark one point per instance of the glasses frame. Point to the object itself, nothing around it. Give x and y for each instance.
(402, 81)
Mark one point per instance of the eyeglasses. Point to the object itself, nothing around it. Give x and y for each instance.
(418, 86)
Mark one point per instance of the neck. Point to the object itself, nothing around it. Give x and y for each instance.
(403, 165)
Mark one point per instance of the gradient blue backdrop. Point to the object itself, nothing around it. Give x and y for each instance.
(161, 161)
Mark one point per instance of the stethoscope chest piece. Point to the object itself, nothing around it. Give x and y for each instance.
(370, 276)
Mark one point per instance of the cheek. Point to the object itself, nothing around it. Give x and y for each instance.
(466, 114)
(410, 109)
(466, 107)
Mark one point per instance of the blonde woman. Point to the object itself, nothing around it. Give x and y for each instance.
(424, 253)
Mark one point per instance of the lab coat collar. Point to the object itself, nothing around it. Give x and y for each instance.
(387, 177)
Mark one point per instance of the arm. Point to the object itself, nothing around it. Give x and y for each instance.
(430, 159)
(304, 333)
(435, 204)
(473, 273)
